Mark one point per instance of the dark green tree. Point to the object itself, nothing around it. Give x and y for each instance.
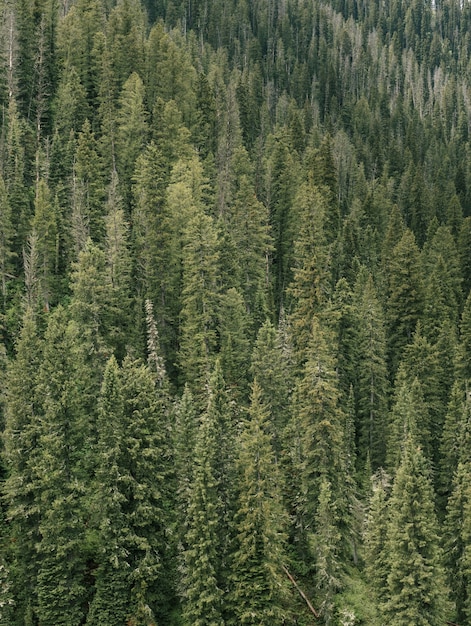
(64, 387)
(372, 385)
(405, 296)
(22, 486)
(416, 583)
(200, 300)
(258, 583)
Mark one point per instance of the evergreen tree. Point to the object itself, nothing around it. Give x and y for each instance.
(22, 486)
(451, 439)
(416, 584)
(271, 366)
(46, 227)
(200, 300)
(132, 130)
(376, 538)
(202, 595)
(371, 374)
(311, 258)
(6, 239)
(456, 535)
(88, 174)
(317, 440)
(234, 343)
(111, 601)
(257, 581)
(64, 385)
(326, 551)
(405, 296)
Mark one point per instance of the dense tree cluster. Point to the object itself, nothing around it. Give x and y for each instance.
(235, 312)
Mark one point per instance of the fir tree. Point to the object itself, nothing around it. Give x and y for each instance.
(257, 580)
(64, 385)
(405, 296)
(22, 486)
(416, 584)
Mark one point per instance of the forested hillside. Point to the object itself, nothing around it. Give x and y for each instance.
(235, 312)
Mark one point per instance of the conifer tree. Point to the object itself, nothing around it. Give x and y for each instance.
(416, 583)
(456, 535)
(376, 537)
(234, 343)
(257, 580)
(149, 486)
(118, 270)
(311, 260)
(22, 486)
(88, 172)
(405, 296)
(202, 595)
(452, 440)
(6, 238)
(184, 441)
(271, 367)
(64, 386)
(409, 412)
(46, 227)
(317, 439)
(326, 552)
(200, 300)
(111, 601)
(131, 132)
(371, 374)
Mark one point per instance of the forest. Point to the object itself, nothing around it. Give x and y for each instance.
(235, 312)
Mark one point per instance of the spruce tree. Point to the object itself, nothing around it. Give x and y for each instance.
(311, 261)
(111, 601)
(372, 383)
(416, 584)
(317, 441)
(22, 486)
(405, 296)
(6, 239)
(200, 301)
(201, 592)
(271, 366)
(64, 385)
(257, 578)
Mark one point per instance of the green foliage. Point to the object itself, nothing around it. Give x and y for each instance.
(258, 584)
(416, 587)
(206, 167)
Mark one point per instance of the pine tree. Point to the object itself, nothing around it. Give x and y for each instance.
(22, 486)
(111, 601)
(416, 583)
(372, 384)
(271, 366)
(200, 301)
(405, 296)
(310, 280)
(257, 580)
(64, 385)
(317, 440)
